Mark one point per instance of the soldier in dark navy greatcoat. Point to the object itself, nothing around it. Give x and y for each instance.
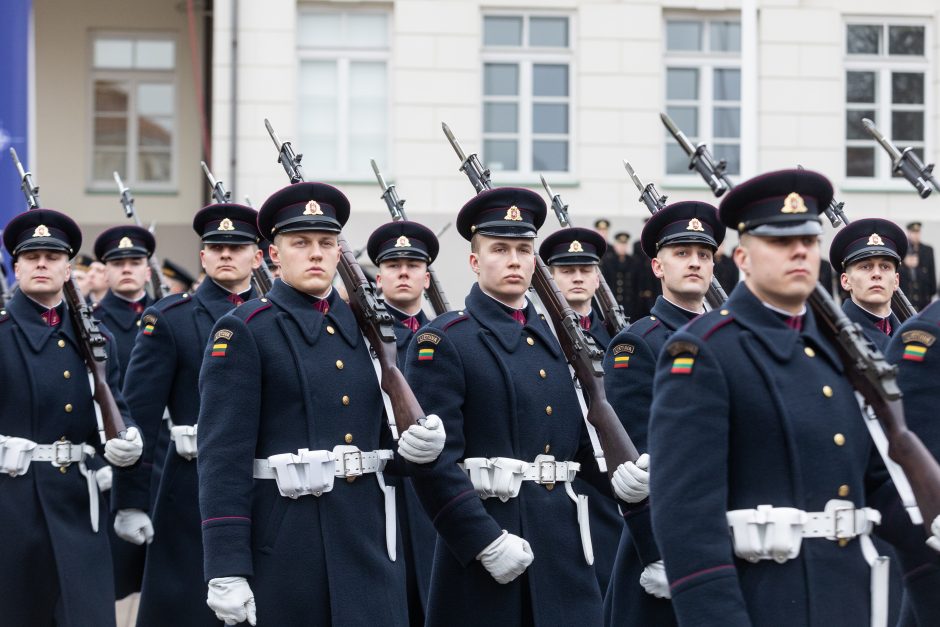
(55, 567)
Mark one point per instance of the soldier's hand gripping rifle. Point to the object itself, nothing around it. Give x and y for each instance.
(261, 275)
(700, 159)
(158, 286)
(396, 207)
(92, 342)
(654, 201)
(876, 380)
(371, 314)
(579, 348)
(614, 318)
(906, 162)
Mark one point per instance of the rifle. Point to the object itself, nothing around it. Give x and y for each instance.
(157, 284)
(371, 314)
(92, 342)
(262, 274)
(906, 162)
(5, 292)
(654, 201)
(700, 159)
(614, 318)
(396, 206)
(579, 348)
(876, 380)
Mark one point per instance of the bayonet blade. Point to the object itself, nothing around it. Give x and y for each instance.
(881, 139)
(274, 137)
(453, 142)
(548, 188)
(378, 175)
(679, 136)
(208, 172)
(632, 173)
(117, 179)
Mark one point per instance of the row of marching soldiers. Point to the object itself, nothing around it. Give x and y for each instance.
(260, 472)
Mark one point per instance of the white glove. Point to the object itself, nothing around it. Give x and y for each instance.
(232, 600)
(422, 444)
(134, 526)
(631, 482)
(506, 557)
(934, 540)
(653, 579)
(104, 476)
(124, 451)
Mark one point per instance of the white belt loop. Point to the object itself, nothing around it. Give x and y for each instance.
(185, 438)
(389, 412)
(391, 539)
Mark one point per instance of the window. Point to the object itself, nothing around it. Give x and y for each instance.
(703, 87)
(527, 93)
(343, 91)
(885, 81)
(134, 110)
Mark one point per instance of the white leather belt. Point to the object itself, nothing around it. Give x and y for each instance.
(16, 454)
(313, 473)
(777, 533)
(185, 438)
(502, 477)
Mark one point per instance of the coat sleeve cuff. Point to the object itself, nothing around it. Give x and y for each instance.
(227, 547)
(710, 596)
(466, 527)
(641, 531)
(130, 488)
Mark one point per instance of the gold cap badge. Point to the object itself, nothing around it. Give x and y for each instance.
(41, 231)
(313, 209)
(793, 204)
(226, 225)
(875, 240)
(576, 247)
(125, 243)
(402, 242)
(695, 225)
(513, 214)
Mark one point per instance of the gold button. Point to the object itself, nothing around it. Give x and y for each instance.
(549, 486)
(548, 410)
(339, 364)
(67, 374)
(348, 438)
(68, 407)
(843, 541)
(61, 343)
(542, 373)
(530, 341)
(185, 295)
(264, 300)
(138, 323)
(827, 391)
(652, 317)
(63, 469)
(839, 439)
(345, 400)
(330, 330)
(724, 312)
(548, 447)
(843, 490)
(809, 352)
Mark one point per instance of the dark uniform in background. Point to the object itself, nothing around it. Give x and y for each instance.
(726, 271)
(919, 282)
(178, 277)
(647, 287)
(618, 271)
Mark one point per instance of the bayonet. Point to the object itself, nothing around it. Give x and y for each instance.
(906, 162)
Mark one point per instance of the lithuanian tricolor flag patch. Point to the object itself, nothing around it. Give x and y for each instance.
(425, 354)
(219, 348)
(622, 361)
(148, 322)
(682, 365)
(914, 352)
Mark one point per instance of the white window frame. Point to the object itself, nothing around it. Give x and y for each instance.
(706, 63)
(883, 65)
(525, 57)
(133, 77)
(343, 57)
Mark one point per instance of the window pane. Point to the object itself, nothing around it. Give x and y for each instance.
(155, 132)
(114, 53)
(682, 84)
(683, 35)
(501, 154)
(361, 149)
(727, 122)
(320, 153)
(549, 118)
(853, 123)
(726, 36)
(318, 79)
(550, 156)
(367, 80)
(907, 126)
(154, 55)
(731, 153)
(366, 30)
(906, 40)
(686, 118)
(501, 79)
(863, 38)
(677, 162)
(548, 31)
(860, 87)
(320, 30)
(107, 162)
(549, 80)
(501, 30)
(155, 99)
(727, 84)
(319, 108)
(500, 117)
(907, 88)
(110, 96)
(111, 131)
(860, 161)
(367, 118)
(153, 166)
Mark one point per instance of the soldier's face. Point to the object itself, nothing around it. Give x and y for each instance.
(230, 265)
(577, 283)
(127, 277)
(781, 271)
(81, 279)
(871, 281)
(402, 282)
(504, 266)
(685, 269)
(97, 281)
(42, 273)
(308, 260)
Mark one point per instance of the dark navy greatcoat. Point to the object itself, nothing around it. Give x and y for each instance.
(630, 392)
(502, 390)
(867, 321)
(289, 378)
(755, 418)
(164, 372)
(53, 567)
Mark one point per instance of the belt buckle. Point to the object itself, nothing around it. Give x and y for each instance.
(351, 456)
(60, 459)
(547, 474)
(835, 523)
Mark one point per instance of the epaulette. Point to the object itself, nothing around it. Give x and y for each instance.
(449, 319)
(705, 325)
(250, 309)
(173, 300)
(643, 326)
